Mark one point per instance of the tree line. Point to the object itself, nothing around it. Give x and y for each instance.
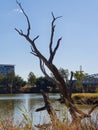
(11, 83)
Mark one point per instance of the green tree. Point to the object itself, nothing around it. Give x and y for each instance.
(6, 81)
(44, 84)
(79, 76)
(18, 82)
(32, 79)
(10, 83)
(1, 78)
(64, 73)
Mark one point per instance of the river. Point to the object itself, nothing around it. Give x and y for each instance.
(18, 104)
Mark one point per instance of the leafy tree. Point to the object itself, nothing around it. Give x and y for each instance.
(18, 82)
(32, 79)
(64, 73)
(7, 79)
(11, 83)
(10, 77)
(79, 76)
(43, 84)
(1, 78)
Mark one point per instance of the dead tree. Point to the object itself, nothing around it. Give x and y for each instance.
(49, 109)
(75, 112)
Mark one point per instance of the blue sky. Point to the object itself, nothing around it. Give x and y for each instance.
(78, 28)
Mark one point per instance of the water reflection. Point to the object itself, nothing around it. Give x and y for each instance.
(18, 104)
(26, 105)
(6, 108)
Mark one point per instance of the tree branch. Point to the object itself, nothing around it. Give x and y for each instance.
(28, 22)
(40, 109)
(33, 52)
(48, 107)
(52, 52)
(42, 67)
(34, 49)
(20, 32)
(70, 84)
(92, 109)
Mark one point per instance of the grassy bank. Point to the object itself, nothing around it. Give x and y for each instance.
(86, 98)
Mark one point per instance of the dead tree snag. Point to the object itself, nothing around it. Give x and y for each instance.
(49, 108)
(75, 112)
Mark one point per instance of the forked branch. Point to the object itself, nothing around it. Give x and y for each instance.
(70, 84)
(53, 51)
(48, 107)
(28, 22)
(42, 67)
(34, 49)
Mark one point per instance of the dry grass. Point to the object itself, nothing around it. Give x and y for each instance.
(86, 98)
(86, 95)
(62, 126)
(7, 124)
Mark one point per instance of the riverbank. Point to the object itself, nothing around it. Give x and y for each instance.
(85, 98)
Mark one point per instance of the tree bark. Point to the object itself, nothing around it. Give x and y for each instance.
(49, 108)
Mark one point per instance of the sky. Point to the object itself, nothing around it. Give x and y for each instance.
(78, 28)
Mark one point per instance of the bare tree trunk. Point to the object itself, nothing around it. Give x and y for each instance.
(49, 108)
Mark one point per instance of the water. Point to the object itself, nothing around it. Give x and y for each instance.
(19, 104)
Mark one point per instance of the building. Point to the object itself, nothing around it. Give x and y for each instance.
(6, 68)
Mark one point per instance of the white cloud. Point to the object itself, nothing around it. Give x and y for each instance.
(17, 10)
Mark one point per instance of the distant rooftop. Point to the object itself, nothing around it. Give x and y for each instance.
(7, 65)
